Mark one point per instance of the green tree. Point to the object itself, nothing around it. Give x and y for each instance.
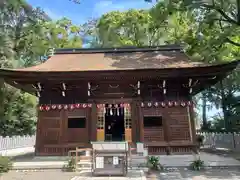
(129, 28)
(222, 14)
(25, 37)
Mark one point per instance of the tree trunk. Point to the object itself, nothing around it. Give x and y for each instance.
(204, 110)
(223, 105)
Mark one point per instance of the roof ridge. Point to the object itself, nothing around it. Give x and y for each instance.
(123, 49)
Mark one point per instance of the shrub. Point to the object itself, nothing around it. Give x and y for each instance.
(197, 165)
(153, 163)
(70, 166)
(5, 164)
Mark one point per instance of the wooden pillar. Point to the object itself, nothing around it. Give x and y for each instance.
(192, 120)
(140, 122)
(134, 121)
(38, 135)
(93, 123)
(166, 130)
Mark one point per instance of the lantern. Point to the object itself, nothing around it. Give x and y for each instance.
(40, 108)
(163, 104)
(54, 106)
(72, 107)
(121, 105)
(65, 106)
(156, 104)
(78, 105)
(47, 108)
(170, 103)
(189, 103)
(59, 106)
(142, 104)
(183, 104)
(175, 103)
(89, 105)
(84, 105)
(149, 104)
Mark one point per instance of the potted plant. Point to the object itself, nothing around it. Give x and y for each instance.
(154, 166)
(197, 165)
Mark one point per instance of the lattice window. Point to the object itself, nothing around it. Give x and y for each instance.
(127, 118)
(100, 118)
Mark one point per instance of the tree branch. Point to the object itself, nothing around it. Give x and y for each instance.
(220, 11)
(232, 42)
(238, 11)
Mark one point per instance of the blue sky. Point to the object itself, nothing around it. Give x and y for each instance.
(80, 13)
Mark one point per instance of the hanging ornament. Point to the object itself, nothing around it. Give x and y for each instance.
(84, 105)
(175, 103)
(54, 106)
(156, 104)
(47, 108)
(142, 104)
(89, 105)
(149, 104)
(72, 107)
(77, 105)
(111, 111)
(65, 106)
(41, 108)
(163, 104)
(183, 104)
(189, 103)
(126, 105)
(59, 106)
(170, 104)
(117, 111)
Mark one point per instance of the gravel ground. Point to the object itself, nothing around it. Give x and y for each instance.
(180, 174)
(38, 175)
(211, 174)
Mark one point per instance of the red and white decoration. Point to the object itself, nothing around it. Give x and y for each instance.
(48, 107)
(167, 104)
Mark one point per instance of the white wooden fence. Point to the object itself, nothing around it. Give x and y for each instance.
(222, 140)
(7, 143)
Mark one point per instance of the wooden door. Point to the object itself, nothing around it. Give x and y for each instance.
(128, 123)
(100, 124)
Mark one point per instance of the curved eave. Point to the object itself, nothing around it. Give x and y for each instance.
(136, 73)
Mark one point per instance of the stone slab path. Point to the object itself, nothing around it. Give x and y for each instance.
(211, 174)
(209, 160)
(58, 175)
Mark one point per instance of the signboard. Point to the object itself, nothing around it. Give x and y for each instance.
(99, 162)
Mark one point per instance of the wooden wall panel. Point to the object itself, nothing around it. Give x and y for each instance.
(49, 128)
(179, 127)
(77, 135)
(153, 134)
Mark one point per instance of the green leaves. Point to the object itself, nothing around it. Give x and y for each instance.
(24, 37)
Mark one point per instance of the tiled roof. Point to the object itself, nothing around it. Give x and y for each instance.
(115, 61)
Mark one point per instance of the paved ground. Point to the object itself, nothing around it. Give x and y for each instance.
(214, 174)
(58, 175)
(30, 161)
(211, 174)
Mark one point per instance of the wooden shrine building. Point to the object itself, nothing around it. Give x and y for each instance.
(124, 94)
